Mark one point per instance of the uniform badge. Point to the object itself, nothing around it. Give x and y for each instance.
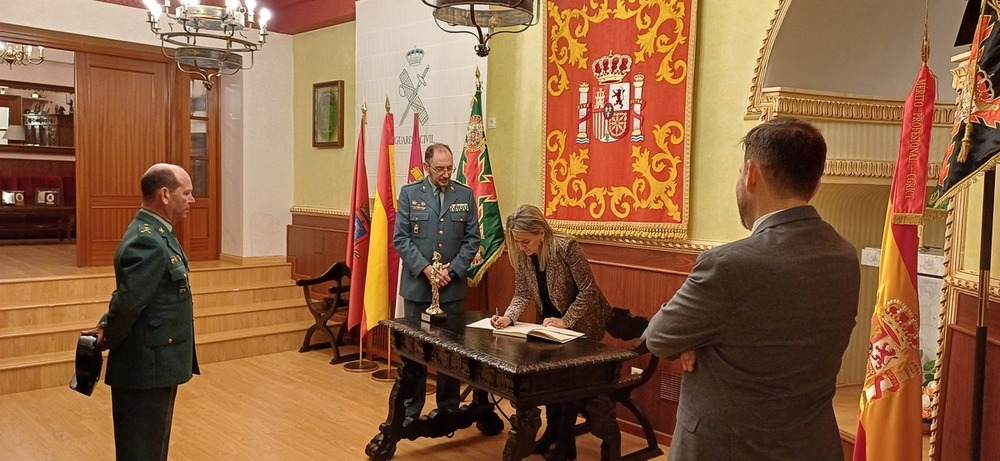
(416, 228)
(175, 259)
(419, 207)
(161, 229)
(145, 229)
(459, 208)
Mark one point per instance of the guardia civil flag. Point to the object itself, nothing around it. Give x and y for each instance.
(358, 230)
(475, 171)
(383, 262)
(975, 139)
(889, 417)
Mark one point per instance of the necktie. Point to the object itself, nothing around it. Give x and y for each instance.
(440, 198)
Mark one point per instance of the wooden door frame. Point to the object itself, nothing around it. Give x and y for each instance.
(102, 46)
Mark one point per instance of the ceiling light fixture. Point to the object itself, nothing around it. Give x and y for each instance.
(209, 39)
(13, 54)
(487, 17)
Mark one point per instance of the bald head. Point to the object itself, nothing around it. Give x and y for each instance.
(167, 191)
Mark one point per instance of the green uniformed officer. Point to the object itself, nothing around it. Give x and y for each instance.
(435, 215)
(149, 326)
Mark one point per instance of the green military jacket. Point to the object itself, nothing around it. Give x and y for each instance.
(149, 326)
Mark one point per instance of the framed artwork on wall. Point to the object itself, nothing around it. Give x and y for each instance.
(328, 114)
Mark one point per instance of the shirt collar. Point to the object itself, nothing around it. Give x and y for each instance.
(761, 219)
(158, 218)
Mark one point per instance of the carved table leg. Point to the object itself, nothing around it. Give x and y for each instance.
(604, 425)
(524, 427)
(383, 445)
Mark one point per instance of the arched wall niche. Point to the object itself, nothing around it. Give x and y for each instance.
(847, 67)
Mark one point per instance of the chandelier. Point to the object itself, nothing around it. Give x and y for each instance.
(13, 54)
(487, 17)
(209, 40)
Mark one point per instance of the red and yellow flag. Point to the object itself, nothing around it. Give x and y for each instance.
(889, 416)
(358, 230)
(383, 262)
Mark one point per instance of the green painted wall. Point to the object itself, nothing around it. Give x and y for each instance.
(728, 39)
(323, 176)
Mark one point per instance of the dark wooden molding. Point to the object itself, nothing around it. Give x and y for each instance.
(81, 43)
(37, 86)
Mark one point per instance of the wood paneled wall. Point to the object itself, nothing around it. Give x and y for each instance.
(25, 167)
(954, 423)
(638, 278)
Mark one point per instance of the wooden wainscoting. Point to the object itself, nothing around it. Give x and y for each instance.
(954, 420)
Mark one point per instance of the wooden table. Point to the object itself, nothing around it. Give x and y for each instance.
(528, 373)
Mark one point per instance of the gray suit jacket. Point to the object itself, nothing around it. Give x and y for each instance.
(770, 317)
(423, 227)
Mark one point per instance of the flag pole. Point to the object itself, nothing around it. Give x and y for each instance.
(361, 365)
(389, 373)
(985, 252)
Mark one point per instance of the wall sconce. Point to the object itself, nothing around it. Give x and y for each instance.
(487, 17)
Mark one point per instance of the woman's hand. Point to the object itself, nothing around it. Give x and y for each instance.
(500, 322)
(554, 322)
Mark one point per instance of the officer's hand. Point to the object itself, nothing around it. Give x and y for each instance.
(97, 332)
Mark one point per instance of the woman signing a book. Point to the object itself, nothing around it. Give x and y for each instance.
(551, 270)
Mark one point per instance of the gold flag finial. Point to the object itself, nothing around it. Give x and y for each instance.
(925, 46)
(364, 107)
(387, 107)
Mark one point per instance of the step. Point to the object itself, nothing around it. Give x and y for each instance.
(53, 290)
(244, 294)
(237, 316)
(59, 336)
(52, 369)
(69, 289)
(41, 314)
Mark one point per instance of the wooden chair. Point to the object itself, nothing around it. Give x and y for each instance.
(324, 310)
(622, 325)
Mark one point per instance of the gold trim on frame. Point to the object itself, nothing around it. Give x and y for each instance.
(305, 210)
(786, 102)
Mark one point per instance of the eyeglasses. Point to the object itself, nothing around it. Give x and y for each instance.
(442, 169)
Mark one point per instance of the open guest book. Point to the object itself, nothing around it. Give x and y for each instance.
(530, 330)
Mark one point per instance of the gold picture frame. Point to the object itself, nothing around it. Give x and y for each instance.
(328, 114)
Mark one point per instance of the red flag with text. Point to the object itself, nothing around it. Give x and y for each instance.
(889, 420)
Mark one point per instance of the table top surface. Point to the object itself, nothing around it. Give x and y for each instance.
(510, 354)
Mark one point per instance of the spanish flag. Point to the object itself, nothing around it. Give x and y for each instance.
(383, 262)
(358, 231)
(889, 416)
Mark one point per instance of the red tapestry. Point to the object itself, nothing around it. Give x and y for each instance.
(618, 116)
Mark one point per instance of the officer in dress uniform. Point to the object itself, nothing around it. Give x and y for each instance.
(435, 214)
(149, 326)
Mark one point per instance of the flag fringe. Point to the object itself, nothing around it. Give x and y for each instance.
(968, 180)
(912, 219)
(473, 281)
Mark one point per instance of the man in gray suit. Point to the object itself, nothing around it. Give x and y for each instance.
(767, 318)
(435, 215)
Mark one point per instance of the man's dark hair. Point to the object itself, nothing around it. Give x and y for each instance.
(429, 152)
(791, 152)
(156, 178)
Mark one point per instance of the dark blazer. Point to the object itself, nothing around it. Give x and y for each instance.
(571, 288)
(149, 327)
(423, 226)
(770, 317)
